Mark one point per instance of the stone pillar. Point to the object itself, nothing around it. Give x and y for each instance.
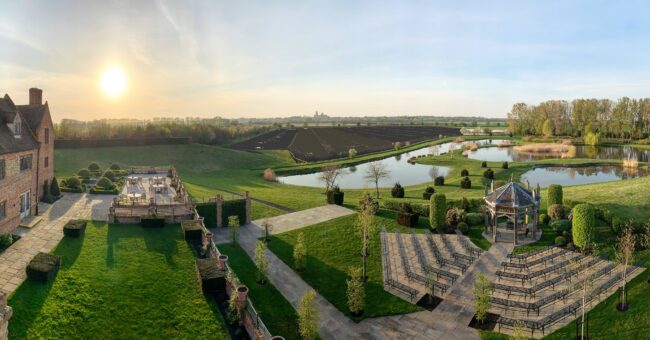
(248, 207)
(5, 314)
(494, 227)
(514, 230)
(219, 210)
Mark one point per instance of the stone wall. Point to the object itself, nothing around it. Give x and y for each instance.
(46, 153)
(5, 315)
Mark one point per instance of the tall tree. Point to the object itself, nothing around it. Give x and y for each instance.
(366, 226)
(261, 262)
(376, 172)
(625, 255)
(356, 292)
(481, 293)
(299, 252)
(308, 316)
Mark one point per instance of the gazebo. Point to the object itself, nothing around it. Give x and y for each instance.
(520, 207)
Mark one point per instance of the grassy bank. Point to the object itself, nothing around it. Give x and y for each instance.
(118, 281)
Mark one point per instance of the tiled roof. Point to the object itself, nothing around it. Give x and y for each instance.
(511, 195)
(33, 114)
(27, 141)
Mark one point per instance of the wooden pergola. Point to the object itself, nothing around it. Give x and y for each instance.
(519, 205)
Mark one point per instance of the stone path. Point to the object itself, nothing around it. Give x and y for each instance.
(267, 203)
(46, 235)
(448, 321)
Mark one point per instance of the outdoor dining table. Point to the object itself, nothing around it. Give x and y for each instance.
(159, 188)
(158, 180)
(134, 197)
(132, 179)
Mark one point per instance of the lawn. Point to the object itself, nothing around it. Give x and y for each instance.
(276, 312)
(334, 246)
(118, 281)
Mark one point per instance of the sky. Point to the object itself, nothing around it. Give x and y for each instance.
(345, 58)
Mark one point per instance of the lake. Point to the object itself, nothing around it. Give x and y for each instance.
(564, 175)
(496, 154)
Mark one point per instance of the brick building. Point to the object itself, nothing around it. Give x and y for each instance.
(26, 157)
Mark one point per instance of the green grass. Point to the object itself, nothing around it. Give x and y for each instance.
(334, 246)
(476, 236)
(276, 312)
(118, 281)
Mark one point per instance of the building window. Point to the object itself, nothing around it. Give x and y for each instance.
(3, 212)
(47, 161)
(47, 136)
(2, 169)
(18, 128)
(26, 163)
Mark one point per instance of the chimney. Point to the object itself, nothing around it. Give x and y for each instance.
(35, 96)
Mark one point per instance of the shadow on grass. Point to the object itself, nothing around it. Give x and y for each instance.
(162, 241)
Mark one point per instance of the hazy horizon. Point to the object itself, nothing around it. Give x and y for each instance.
(145, 59)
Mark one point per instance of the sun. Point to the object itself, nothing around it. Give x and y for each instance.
(113, 81)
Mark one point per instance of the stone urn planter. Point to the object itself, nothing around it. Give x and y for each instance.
(242, 293)
(277, 337)
(223, 261)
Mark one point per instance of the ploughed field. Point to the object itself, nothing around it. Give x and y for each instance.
(323, 143)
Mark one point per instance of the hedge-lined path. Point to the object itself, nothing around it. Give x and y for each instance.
(46, 235)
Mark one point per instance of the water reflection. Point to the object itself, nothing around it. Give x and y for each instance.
(400, 169)
(580, 175)
(496, 154)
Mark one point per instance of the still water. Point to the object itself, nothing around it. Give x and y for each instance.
(579, 175)
(400, 169)
(496, 154)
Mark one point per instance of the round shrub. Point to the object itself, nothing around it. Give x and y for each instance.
(560, 226)
(439, 181)
(584, 222)
(454, 216)
(397, 191)
(560, 241)
(475, 218)
(335, 196)
(83, 173)
(556, 211)
(110, 175)
(489, 174)
(115, 166)
(554, 194)
(484, 164)
(544, 219)
(465, 183)
(570, 246)
(464, 173)
(428, 192)
(504, 165)
(105, 183)
(437, 211)
(93, 166)
(73, 182)
(463, 227)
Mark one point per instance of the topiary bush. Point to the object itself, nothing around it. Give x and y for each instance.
(504, 165)
(439, 181)
(454, 216)
(428, 192)
(93, 166)
(489, 174)
(115, 166)
(556, 212)
(5, 241)
(83, 173)
(335, 196)
(544, 219)
(105, 183)
(397, 191)
(465, 183)
(54, 188)
(438, 211)
(584, 223)
(406, 216)
(74, 228)
(484, 164)
(560, 226)
(554, 194)
(475, 218)
(73, 183)
(43, 267)
(464, 173)
(110, 175)
(560, 241)
(463, 227)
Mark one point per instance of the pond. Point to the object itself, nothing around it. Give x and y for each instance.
(565, 175)
(508, 154)
(401, 170)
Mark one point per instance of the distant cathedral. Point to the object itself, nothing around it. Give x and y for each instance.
(320, 115)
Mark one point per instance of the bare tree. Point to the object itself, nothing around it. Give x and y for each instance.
(268, 227)
(366, 225)
(329, 174)
(625, 255)
(375, 173)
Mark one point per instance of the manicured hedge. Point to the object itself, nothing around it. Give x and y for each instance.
(439, 181)
(464, 173)
(43, 267)
(475, 218)
(463, 228)
(504, 165)
(484, 164)
(209, 213)
(397, 191)
(428, 192)
(554, 194)
(234, 208)
(192, 230)
(438, 211)
(465, 183)
(489, 174)
(584, 224)
(335, 196)
(95, 143)
(556, 212)
(74, 228)
(152, 221)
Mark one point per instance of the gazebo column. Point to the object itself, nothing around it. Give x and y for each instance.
(494, 226)
(514, 230)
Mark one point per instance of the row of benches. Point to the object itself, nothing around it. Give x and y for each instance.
(542, 260)
(429, 270)
(542, 272)
(412, 275)
(408, 292)
(443, 261)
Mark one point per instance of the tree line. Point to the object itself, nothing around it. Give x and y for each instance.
(200, 133)
(623, 118)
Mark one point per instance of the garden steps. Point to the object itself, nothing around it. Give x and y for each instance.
(30, 221)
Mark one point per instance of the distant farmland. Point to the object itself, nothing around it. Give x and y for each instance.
(315, 144)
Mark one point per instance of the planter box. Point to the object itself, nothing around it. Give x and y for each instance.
(74, 228)
(407, 219)
(43, 267)
(192, 229)
(212, 278)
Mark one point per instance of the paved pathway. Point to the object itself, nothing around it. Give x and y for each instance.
(46, 234)
(448, 321)
(267, 203)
